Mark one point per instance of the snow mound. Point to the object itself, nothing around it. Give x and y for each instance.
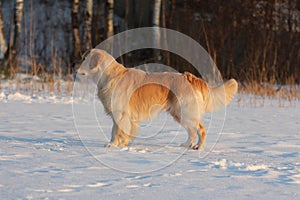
(230, 165)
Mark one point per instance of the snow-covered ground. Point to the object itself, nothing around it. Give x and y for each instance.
(53, 148)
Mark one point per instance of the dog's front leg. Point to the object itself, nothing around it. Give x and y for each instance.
(118, 137)
(113, 142)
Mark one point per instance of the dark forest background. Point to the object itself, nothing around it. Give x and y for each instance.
(256, 42)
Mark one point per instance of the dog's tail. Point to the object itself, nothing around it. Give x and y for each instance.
(221, 96)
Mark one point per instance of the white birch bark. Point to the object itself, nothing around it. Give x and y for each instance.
(18, 14)
(110, 18)
(156, 23)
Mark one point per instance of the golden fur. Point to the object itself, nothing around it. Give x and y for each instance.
(130, 96)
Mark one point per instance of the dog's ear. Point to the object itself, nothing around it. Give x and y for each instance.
(94, 60)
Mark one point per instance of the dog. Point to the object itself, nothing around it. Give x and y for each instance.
(131, 96)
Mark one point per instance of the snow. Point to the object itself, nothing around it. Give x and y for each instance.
(52, 147)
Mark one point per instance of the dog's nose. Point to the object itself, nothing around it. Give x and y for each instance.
(82, 73)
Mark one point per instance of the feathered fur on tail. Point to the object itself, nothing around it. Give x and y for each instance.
(217, 97)
(221, 96)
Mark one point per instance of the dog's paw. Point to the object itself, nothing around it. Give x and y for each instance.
(197, 147)
(109, 145)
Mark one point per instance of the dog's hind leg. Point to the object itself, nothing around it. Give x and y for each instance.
(190, 130)
(201, 131)
(191, 138)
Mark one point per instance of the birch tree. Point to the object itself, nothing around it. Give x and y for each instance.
(156, 13)
(3, 44)
(164, 25)
(75, 31)
(156, 23)
(18, 14)
(110, 18)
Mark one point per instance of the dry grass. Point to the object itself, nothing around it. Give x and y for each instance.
(257, 93)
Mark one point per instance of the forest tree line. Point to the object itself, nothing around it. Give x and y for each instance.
(252, 41)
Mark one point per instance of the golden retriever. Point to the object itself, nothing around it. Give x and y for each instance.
(130, 96)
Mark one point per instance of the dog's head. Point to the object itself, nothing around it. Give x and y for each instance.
(94, 63)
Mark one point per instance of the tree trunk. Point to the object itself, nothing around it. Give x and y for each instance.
(110, 18)
(3, 44)
(18, 13)
(156, 23)
(156, 13)
(164, 25)
(75, 31)
(88, 13)
(95, 27)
